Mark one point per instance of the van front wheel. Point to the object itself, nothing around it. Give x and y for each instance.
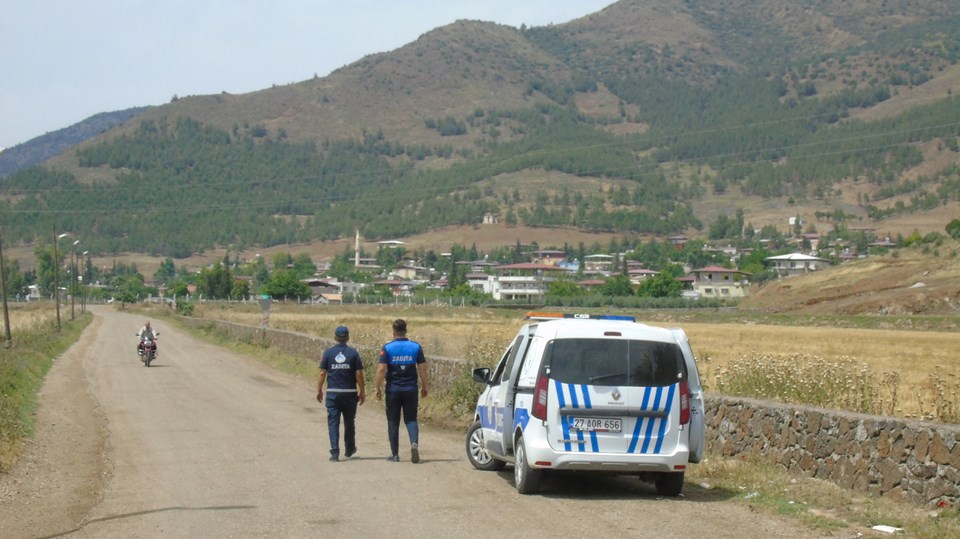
(527, 479)
(477, 452)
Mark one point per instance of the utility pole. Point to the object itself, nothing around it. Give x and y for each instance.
(56, 275)
(73, 279)
(56, 271)
(3, 290)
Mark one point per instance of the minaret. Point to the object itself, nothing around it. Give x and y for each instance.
(356, 250)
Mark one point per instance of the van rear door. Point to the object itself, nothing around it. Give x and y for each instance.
(613, 396)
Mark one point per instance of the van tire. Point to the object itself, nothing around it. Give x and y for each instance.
(669, 483)
(527, 479)
(478, 456)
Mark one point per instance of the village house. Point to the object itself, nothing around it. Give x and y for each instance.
(718, 282)
(548, 257)
(410, 272)
(638, 275)
(796, 263)
(527, 281)
(598, 263)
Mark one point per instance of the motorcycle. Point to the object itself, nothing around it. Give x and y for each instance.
(148, 349)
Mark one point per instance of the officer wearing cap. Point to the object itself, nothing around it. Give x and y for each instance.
(342, 370)
(403, 366)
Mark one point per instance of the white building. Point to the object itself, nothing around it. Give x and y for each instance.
(797, 263)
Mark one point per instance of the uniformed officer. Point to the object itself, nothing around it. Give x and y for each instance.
(401, 361)
(342, 369)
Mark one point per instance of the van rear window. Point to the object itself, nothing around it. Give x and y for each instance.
(614, 362)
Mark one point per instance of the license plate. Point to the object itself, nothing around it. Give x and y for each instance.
(595, 424)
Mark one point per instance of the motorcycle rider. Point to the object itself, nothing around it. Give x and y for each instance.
(146, 332)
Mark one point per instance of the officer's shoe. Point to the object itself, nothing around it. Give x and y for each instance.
(393, 458)
(351, 452)
(414, 453)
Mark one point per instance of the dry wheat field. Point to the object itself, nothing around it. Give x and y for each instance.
(903, 373)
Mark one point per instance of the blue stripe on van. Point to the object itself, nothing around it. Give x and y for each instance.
(651, 421)
(664, 421)
(588, 405)
(563, 418)
(639, 423)
(575, 403)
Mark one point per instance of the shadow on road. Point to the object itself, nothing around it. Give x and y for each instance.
(578, 485)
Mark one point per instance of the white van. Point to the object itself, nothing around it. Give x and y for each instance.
(593, 393)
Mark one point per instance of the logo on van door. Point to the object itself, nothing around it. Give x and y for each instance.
(616, 394)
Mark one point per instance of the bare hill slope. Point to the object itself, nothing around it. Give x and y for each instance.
(923, 281)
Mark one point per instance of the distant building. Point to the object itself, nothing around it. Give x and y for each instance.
(527, 281)
(718, 282)
(638, 275)
(598, 263)
(797, 263)
(548, 256)
(678, 242)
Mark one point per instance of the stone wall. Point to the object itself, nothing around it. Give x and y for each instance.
(881, 455)
(886, 456)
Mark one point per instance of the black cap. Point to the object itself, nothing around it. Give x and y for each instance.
(341, 333)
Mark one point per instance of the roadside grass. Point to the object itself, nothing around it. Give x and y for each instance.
(819, 504)
(23, 366)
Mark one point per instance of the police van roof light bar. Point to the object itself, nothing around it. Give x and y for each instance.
(540, 315)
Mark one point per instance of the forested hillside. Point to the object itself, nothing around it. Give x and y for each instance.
(651, 107)
(39, 149)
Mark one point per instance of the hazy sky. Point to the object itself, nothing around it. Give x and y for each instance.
(62, 61)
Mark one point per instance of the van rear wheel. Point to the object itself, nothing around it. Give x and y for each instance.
(669, 483)
(527, 479)
(477, 452)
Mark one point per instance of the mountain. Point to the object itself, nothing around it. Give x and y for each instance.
(648, 118)
(49, 145)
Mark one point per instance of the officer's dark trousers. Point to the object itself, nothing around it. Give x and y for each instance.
(344, 404)
(406, 402)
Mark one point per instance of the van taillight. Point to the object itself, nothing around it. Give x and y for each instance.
(684, 402)
(540, 392)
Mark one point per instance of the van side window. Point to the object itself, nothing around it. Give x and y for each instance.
(514, 352)
(502, 365)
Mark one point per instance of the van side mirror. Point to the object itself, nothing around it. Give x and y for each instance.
(481, 375)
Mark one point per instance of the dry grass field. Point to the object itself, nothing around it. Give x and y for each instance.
(34, 316)
(905, 373)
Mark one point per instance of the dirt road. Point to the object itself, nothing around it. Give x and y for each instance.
(209, 443)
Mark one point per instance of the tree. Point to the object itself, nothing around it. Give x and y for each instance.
(45, 268)
(216, 282)
(953, 229)
(661, 285)
(240, 290)
(285, 284)
(15, 281)
(282, 260)
(304, 266)
(617, 285)
(166, 271)
(261, 274)
(129, 288)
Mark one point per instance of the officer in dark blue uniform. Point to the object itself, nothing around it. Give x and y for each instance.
(342, 370)
(401, 361)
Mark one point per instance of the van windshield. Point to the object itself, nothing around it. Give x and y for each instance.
(614, 362)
